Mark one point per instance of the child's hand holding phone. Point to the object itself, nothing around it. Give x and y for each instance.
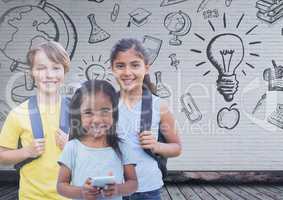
(110, 190)
(89, 192)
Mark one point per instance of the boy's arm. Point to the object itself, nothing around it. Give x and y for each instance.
(10, 156)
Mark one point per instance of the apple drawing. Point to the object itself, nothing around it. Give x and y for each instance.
(228, 117)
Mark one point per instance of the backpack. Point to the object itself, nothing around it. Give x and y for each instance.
(36, 124)
(145, 125)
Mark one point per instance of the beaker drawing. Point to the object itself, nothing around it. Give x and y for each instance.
(161, 90)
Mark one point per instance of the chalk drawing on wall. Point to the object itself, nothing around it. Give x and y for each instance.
(228, 3)
(276, 117)
(50, 23)
(170, 2)
(178, 24)
(202, 5)
(174, 61)
(161, 90)
(115, 12)
(4, 111)
(269, 11)
(207, 14)
(97, 34)
(97, 1)
(274, 76)
(22, 87)
(94, 70)
(152, 46)
(228, 118)
(38, 23)
(138, 17)
(259, 103)
(226, 52)
(190, 108)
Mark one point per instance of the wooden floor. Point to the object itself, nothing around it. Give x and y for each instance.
(196, 192)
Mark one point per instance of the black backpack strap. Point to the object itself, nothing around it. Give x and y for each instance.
(146, 116)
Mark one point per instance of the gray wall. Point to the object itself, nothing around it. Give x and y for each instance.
(214, 103)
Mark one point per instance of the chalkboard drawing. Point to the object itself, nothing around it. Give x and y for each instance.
(152, 46)
(97, 1)
(115, 12)
(226, 58)
(37, 24)
(178, 24)
(161, 90)
(170, 2)
(274, 77)
(270, 10)
(94, 70)
(139, 17)
(174, 61)
(97, 34)
(28, 25)
(228, 3)
(210, 14)
(4, 111)
(226, 52)
(276, 117)
(190, 107)
(228, 118)
(259, 103)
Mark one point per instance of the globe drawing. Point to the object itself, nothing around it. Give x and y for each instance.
(178, 24)
(22, 27)
(25, 26)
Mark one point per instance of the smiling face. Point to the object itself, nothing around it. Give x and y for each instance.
(129, 70)
(48, 76)
(96, 114)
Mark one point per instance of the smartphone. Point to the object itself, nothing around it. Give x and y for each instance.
(102, 181)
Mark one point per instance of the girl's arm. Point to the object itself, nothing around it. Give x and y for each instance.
(13, 156)
(172, 147)
(124, 189)
(87, 191)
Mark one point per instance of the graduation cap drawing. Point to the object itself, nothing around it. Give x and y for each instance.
(138, 17)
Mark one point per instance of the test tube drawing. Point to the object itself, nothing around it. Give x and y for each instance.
(174, 61)
(161, 90)
(190, 108)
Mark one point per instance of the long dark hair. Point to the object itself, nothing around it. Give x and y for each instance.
(92, 87)
(130, 43)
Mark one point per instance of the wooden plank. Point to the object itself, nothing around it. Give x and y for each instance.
(274, 190)
(164, 194)
(175, 193)
(242, 193)
(267, 191)
(6, 193)
(229, 193)
(215, 193)
(202, 193)
(189, 192)
(256, 193)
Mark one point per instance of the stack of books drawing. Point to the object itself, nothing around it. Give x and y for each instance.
(269, 10)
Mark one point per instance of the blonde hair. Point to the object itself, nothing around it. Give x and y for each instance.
(53, 50)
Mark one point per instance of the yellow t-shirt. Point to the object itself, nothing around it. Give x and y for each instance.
(38, 178)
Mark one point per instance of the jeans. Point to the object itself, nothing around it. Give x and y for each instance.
(151, 195)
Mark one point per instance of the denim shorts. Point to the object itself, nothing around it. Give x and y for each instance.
(151, 195)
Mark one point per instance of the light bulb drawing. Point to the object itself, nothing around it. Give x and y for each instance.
(95, 70)
(227, 52)
(226, 59)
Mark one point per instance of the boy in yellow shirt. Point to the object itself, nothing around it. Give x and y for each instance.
(49, 62)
